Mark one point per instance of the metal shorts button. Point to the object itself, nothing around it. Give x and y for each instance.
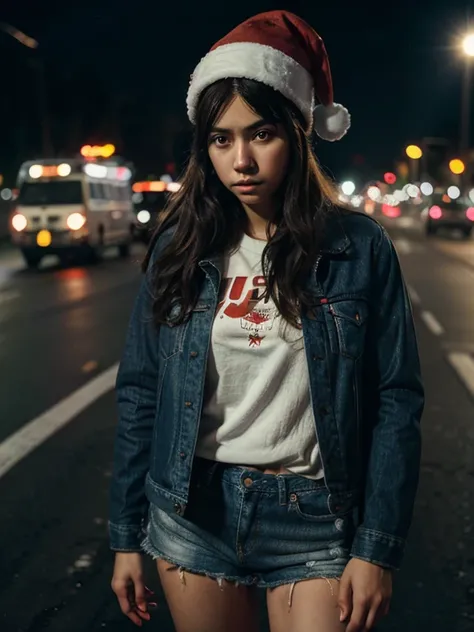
(248, 481)
(339, 524)
(293, 498)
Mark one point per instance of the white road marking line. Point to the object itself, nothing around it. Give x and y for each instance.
(33, 434)
(8, 295)
(414, 296)
(432, 323)
(403, 246)
(463, 364)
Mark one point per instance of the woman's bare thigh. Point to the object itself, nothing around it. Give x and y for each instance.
(308, 606)
(199, 604)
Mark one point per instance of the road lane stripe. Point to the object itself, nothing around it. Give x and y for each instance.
(34, 433)
(403, 246)
(414, 296)
(8, 295)
(463, 364)
(432, 323)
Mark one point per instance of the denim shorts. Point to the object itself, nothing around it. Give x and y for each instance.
(251, 528)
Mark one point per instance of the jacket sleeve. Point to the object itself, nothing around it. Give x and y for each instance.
(395, 452)
(136, 389)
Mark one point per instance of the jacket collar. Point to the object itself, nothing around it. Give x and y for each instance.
(335, 240)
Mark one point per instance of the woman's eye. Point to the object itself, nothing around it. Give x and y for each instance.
(219, 140)
(262, 135)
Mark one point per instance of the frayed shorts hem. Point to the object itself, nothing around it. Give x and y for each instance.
(240, 580)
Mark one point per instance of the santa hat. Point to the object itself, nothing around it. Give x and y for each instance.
(280, 50)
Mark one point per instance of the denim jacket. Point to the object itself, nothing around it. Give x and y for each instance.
(365, 384)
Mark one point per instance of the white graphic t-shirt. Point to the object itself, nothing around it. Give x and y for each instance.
(257, 408)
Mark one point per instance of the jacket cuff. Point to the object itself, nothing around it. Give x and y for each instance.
(126, 538)
(378, 548)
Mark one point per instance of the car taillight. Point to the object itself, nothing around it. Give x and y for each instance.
(470, 213)
(435, 212)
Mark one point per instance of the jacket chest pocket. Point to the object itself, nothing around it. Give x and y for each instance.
(348, 318)
(172, 335)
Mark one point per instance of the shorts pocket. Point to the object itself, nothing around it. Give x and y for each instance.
(313, 507)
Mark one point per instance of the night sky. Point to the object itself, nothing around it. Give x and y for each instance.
(118, 72)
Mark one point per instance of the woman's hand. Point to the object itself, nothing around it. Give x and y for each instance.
(129, 585)
(365, 592)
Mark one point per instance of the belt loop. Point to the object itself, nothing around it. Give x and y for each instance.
(282, 490)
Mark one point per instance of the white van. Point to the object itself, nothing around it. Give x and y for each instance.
(72, 207)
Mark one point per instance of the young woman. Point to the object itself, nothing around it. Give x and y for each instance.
(269, 393)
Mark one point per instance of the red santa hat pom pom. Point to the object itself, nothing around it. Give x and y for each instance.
(331, 122)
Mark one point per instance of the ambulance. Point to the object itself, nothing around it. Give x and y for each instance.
(73, 207)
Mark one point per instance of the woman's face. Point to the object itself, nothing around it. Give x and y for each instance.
(249, 155)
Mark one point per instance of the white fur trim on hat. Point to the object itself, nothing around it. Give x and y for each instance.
(331, 122)
(253, 61)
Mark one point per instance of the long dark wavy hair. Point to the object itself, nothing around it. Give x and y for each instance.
(209, 221)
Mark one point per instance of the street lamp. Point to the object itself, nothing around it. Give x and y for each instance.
(414, 153)
(468, 50)
(32, 44)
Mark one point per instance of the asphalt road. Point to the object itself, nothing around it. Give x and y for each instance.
(60, 329)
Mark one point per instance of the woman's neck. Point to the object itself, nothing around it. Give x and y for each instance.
(257, 224)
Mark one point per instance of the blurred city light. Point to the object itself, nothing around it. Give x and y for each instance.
(414, 152)
(173, 187)
(412, 190)
(166, 178)
(435, 212)
(98, 151)
(400, 196)
(143, 216)
(391, 211)
(390, 178)
(389, 200)
(6, 194)
(348, 187)
(468, 45)
(75, 221)
(44, 238)
(470, 213)
(456, 166)
(36, 171)
(356, 200)
(426, 188)
(64, 169)
(373, 193)
(453, 192)
(95, 171)
(19, 222)
(471, 195)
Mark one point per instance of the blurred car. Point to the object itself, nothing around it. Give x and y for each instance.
(446, 213)
(149, 200)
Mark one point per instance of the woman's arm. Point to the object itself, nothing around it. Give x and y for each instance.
(136, 389)
(394, 458)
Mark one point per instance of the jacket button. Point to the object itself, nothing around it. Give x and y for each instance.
(193, 354)
(178, 508)
(182, 455)
(188, 404)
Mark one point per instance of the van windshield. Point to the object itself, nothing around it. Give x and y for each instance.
(50, 193)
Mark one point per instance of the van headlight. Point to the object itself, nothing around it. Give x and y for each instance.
(75, 221)
(143, 217)
(19, 222)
